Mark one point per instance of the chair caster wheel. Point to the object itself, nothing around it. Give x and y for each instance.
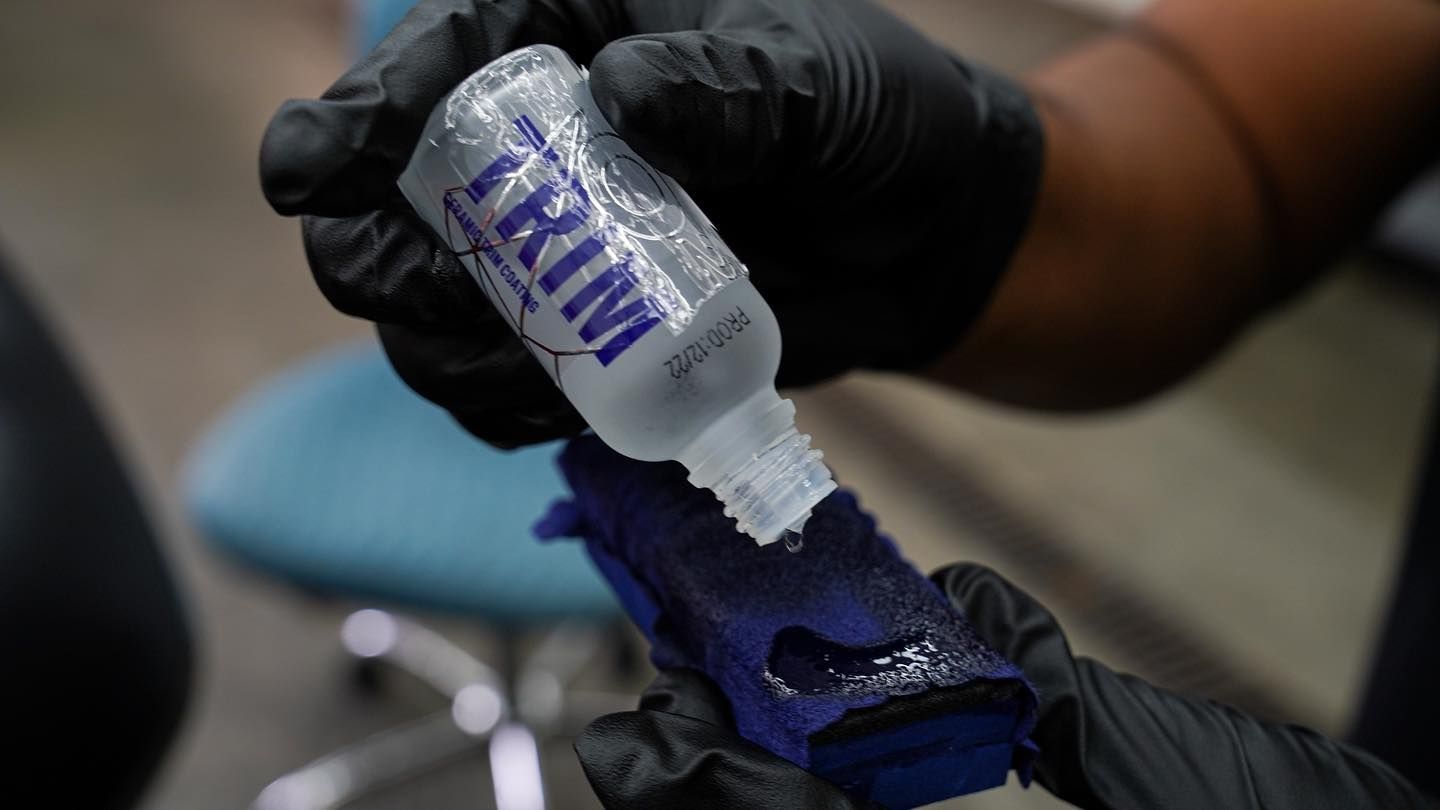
(366, 677)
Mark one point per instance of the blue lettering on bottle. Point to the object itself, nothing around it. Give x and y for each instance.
(562, 270)
(501, 169)
(625, 323)
(637, 317)
(532, 209)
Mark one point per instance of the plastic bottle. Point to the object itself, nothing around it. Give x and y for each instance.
(618, 284)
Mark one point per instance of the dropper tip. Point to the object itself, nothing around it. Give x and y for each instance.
(799, 525)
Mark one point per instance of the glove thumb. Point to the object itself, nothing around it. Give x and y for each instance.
(717, 109)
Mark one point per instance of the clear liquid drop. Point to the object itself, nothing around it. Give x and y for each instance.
(794, 541)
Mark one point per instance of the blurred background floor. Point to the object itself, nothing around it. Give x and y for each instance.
(1254, 513)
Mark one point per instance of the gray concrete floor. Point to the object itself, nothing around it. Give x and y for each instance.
(1258, 506)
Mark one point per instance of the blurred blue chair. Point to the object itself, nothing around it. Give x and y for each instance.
(336, 478)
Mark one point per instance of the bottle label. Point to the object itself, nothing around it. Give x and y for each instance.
(562, 222)
(609, 307)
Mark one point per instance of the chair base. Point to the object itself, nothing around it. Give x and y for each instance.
(504, 710)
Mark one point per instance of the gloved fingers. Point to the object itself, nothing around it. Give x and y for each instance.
(807, 332)
(689, 693)
(1024, 631)
(340, 155)
(389, 267)
(810, 320)
(509, 430)
(1113, 740)
(714, 108)
(1012, 621)
(1134, 744)
(486, 378)
(448, 368)
(650, 760)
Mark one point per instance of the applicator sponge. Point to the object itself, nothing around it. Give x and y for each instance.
(841, 658)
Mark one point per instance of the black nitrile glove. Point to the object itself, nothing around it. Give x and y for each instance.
(1106, 740)
(1113, 740)
(874, 184)
(680, 750)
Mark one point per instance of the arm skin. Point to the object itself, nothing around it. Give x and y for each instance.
(1150, 245)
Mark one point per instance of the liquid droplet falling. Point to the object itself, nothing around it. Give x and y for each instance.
(794, 541)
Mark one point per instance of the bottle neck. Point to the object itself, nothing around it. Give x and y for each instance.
(745, 431)
(760, 467)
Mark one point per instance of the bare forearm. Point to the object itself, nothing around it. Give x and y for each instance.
(1158, 232)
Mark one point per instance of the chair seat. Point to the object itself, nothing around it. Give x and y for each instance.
(338, 478)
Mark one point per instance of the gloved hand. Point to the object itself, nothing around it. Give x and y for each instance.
(1106, 740)
(874, 184)
(680, 750)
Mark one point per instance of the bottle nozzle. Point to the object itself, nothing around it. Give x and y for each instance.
(761, 467)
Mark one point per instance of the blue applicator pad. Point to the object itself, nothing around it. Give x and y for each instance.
(842, 658)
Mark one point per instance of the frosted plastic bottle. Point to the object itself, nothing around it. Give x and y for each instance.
(618, 283)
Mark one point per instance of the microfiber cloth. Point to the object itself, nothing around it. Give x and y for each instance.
(842, 658)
